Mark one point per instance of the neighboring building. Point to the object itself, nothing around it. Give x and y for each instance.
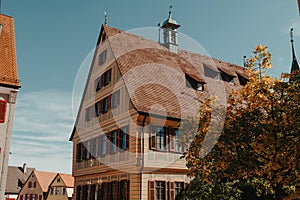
(36, 186)
(61, 188)
(9, 85)
(126, 136)
(16, 178)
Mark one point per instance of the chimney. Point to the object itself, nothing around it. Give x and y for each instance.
(24, 168)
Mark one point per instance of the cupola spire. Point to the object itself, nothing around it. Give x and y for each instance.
(295, 64)
(170, 34)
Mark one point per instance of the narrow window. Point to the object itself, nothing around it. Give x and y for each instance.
(115, 99)
(227, 78)
(98, 108)
(88, 150)
(179, 186)
(113, 190)
(107, 77)
(3, 104)
(113, 142)
(160, 187)
(123, 138)
(102, 57)
(88, 114)
(105, 105)
(160, 138)
(98, 83)
(64, 191)
(58, 191)
(52, 191)
(178, 144)
(103, 145)
(192, 83)
(124, 190)
(95, 146)
(79, 152)
(243, 81)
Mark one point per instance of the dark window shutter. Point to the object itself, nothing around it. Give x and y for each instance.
(21, 196)
(152, 139)
(30, 197)
(36, 196)
(128, 197)
(34, 184)
(151, 190)
(3, 104)
(29, 183)
(40, 197)
(119, 138)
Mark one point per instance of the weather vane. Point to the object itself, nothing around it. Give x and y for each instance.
(170, 10)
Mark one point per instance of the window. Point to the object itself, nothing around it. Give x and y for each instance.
(160, 190)
(107, 77)
(227, 78)
(123, 138)
(192, 83)
(58, 191)
(64, 191)
(21, 197)
(103, 145)
(243, 81)
(52, 191)
(58, 180)
(3, 104)
(95, 147)
(98, 108)
(113, 190)
(34, 184)
(104, 191)
(30, 184)
(87, 155)
(124, 190)
(33, 196)
(208, 72)
(88, 114)
(102, 57)
(113, 142)
(178, 145)
(78, 192)
(92, 192)
(160, 138)
(179, 186)
(105, 102)
(98, 83)
(115, 99)
(79, 152)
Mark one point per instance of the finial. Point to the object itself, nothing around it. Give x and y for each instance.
(244, 61)
(170, 11)
(105, 17)
(291, 34)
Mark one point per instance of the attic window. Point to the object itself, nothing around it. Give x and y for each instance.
(192, 83)
(102, 57)
(58, 180)
(227, 78)
(208, 72)
(243, 81)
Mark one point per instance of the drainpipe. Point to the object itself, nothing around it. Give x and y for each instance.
(142, 155)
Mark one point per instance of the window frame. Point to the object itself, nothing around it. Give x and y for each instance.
(102, 57)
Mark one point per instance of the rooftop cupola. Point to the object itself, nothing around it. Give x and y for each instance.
(170, 34)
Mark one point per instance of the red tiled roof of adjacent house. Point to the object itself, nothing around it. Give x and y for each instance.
(44, 179)
(8, 63)
(68, 180)
(153, 75)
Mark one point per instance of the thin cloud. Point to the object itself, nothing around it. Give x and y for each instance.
(42, 126)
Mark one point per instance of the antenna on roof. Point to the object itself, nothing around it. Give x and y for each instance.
(105, 17)
(244, 61)
(170, 11)
(158, 32)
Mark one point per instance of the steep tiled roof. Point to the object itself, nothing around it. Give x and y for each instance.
(44, 179)
(14, 176)
(8, 63)
(155, 77)
(68, 180)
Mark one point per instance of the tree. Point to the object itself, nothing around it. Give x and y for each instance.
(258, 150)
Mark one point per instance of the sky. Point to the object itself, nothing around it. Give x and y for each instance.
(54, 37)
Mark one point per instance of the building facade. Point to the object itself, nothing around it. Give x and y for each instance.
(9, 86)
(61, 188)
(36, 186)
(126, 139)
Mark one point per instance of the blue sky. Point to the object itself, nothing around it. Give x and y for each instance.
(54, 37)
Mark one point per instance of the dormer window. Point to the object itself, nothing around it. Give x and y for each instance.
(208, 72)
(192, 83)
(227, 78)
(243, 81)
